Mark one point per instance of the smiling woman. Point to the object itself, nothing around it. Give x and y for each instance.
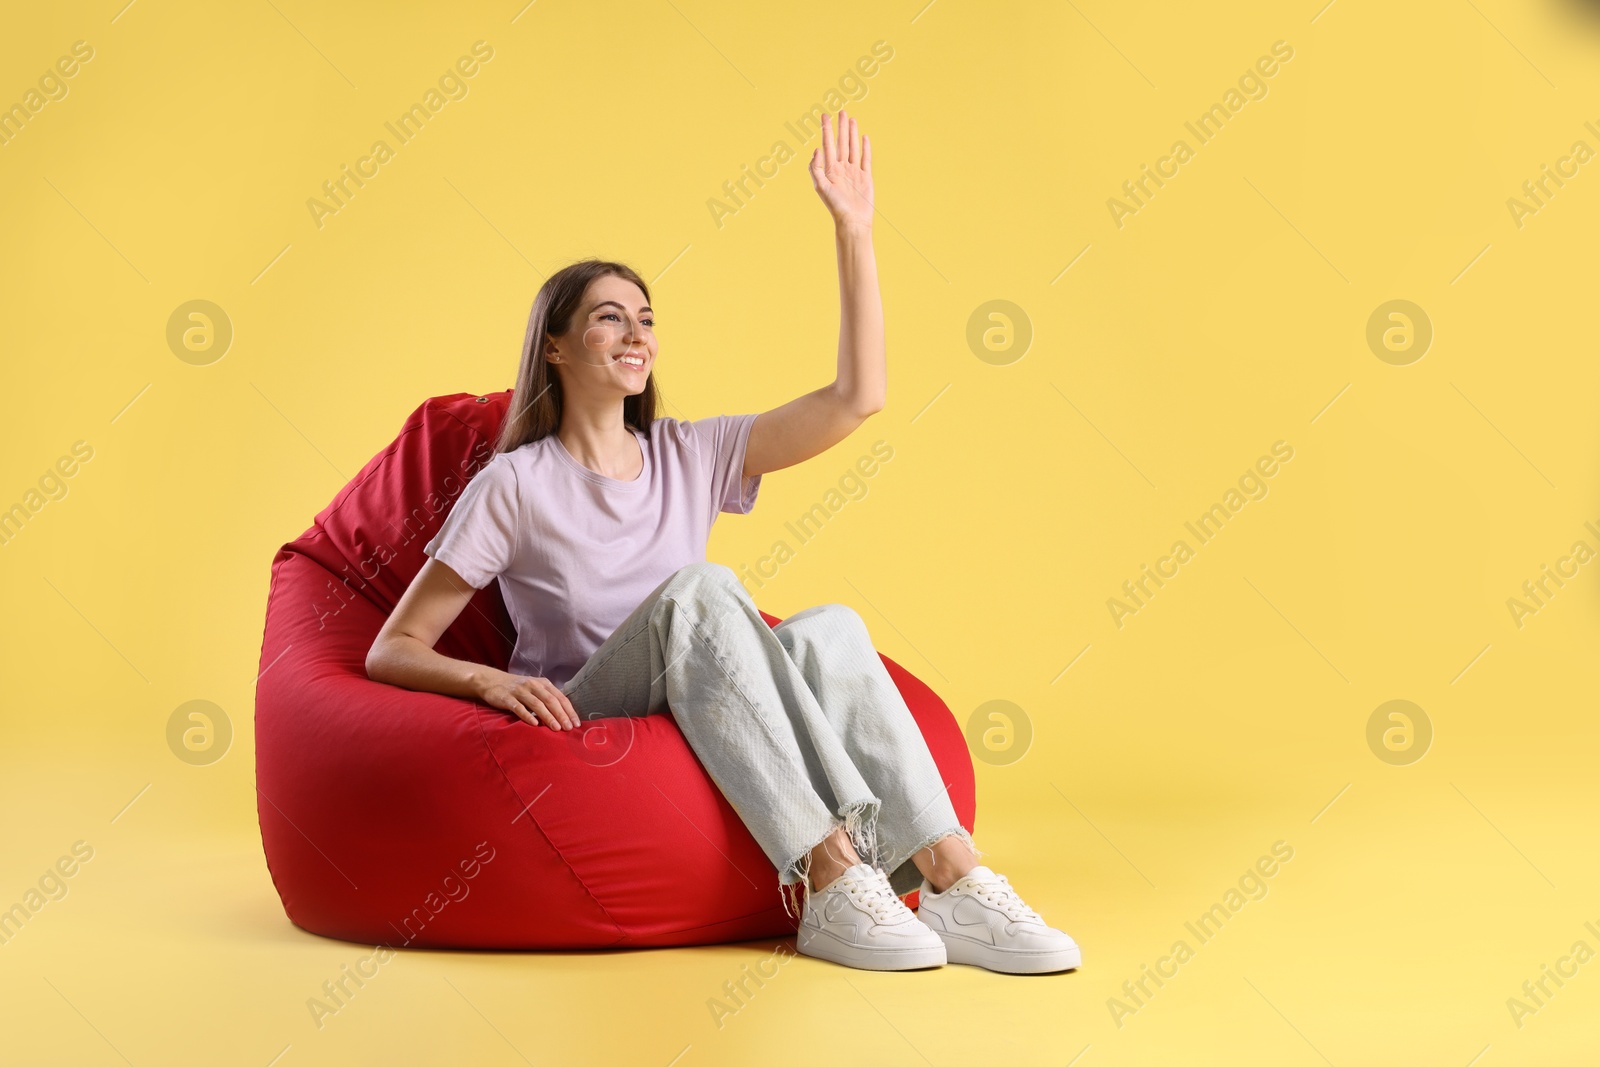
(594, 517)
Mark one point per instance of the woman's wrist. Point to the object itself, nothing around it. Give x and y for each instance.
(853, 229)
(478, 679)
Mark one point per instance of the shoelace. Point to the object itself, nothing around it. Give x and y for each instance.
(1002, 896)
(876, 896)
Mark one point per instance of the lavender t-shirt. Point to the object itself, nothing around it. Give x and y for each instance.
(576, 551)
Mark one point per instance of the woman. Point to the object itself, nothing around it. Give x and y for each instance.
(594, 515)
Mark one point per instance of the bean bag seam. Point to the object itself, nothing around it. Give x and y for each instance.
(527, 809)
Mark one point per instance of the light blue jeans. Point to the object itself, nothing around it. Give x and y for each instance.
(799, 725)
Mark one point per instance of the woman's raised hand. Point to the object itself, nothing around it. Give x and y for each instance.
(536, 701)
(841, 172)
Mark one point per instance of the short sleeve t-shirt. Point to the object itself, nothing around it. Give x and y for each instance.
(575, 551)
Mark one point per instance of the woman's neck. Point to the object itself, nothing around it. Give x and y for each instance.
(598, 438)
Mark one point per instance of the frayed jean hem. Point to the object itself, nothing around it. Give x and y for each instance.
(860, 822)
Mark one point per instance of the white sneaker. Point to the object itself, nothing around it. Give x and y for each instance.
(857, 920)
(983, 922)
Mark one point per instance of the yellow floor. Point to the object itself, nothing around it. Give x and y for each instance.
(1395, 935)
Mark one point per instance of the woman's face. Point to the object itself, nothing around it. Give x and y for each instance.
(611, 344)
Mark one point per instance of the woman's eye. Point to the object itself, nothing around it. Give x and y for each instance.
(613, 315)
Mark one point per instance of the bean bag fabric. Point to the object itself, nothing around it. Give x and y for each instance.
(397, 817)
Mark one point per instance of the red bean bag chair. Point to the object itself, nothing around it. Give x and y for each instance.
(391, 816)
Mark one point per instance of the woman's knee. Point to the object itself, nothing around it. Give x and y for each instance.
(705, 580)
(824, 622)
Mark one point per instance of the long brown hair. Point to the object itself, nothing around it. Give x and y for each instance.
(536, 400)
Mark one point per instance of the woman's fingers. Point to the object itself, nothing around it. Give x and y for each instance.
(528, 708)
(539, 708)
(847, 145)
(555, 699)
(516, 708)
(542, 698)
(577, 720)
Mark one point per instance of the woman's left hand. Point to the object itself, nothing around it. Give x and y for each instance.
(841, 172)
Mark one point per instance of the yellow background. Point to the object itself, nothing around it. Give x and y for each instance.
(1229, 313)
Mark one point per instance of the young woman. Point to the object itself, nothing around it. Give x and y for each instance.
(594, 515)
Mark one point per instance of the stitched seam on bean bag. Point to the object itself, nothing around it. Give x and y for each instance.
(527, 809)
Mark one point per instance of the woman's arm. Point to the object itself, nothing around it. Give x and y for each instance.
(402, 654)
(841, 171)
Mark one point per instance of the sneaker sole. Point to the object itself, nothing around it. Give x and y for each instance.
(1010, 961)
(822, 945)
